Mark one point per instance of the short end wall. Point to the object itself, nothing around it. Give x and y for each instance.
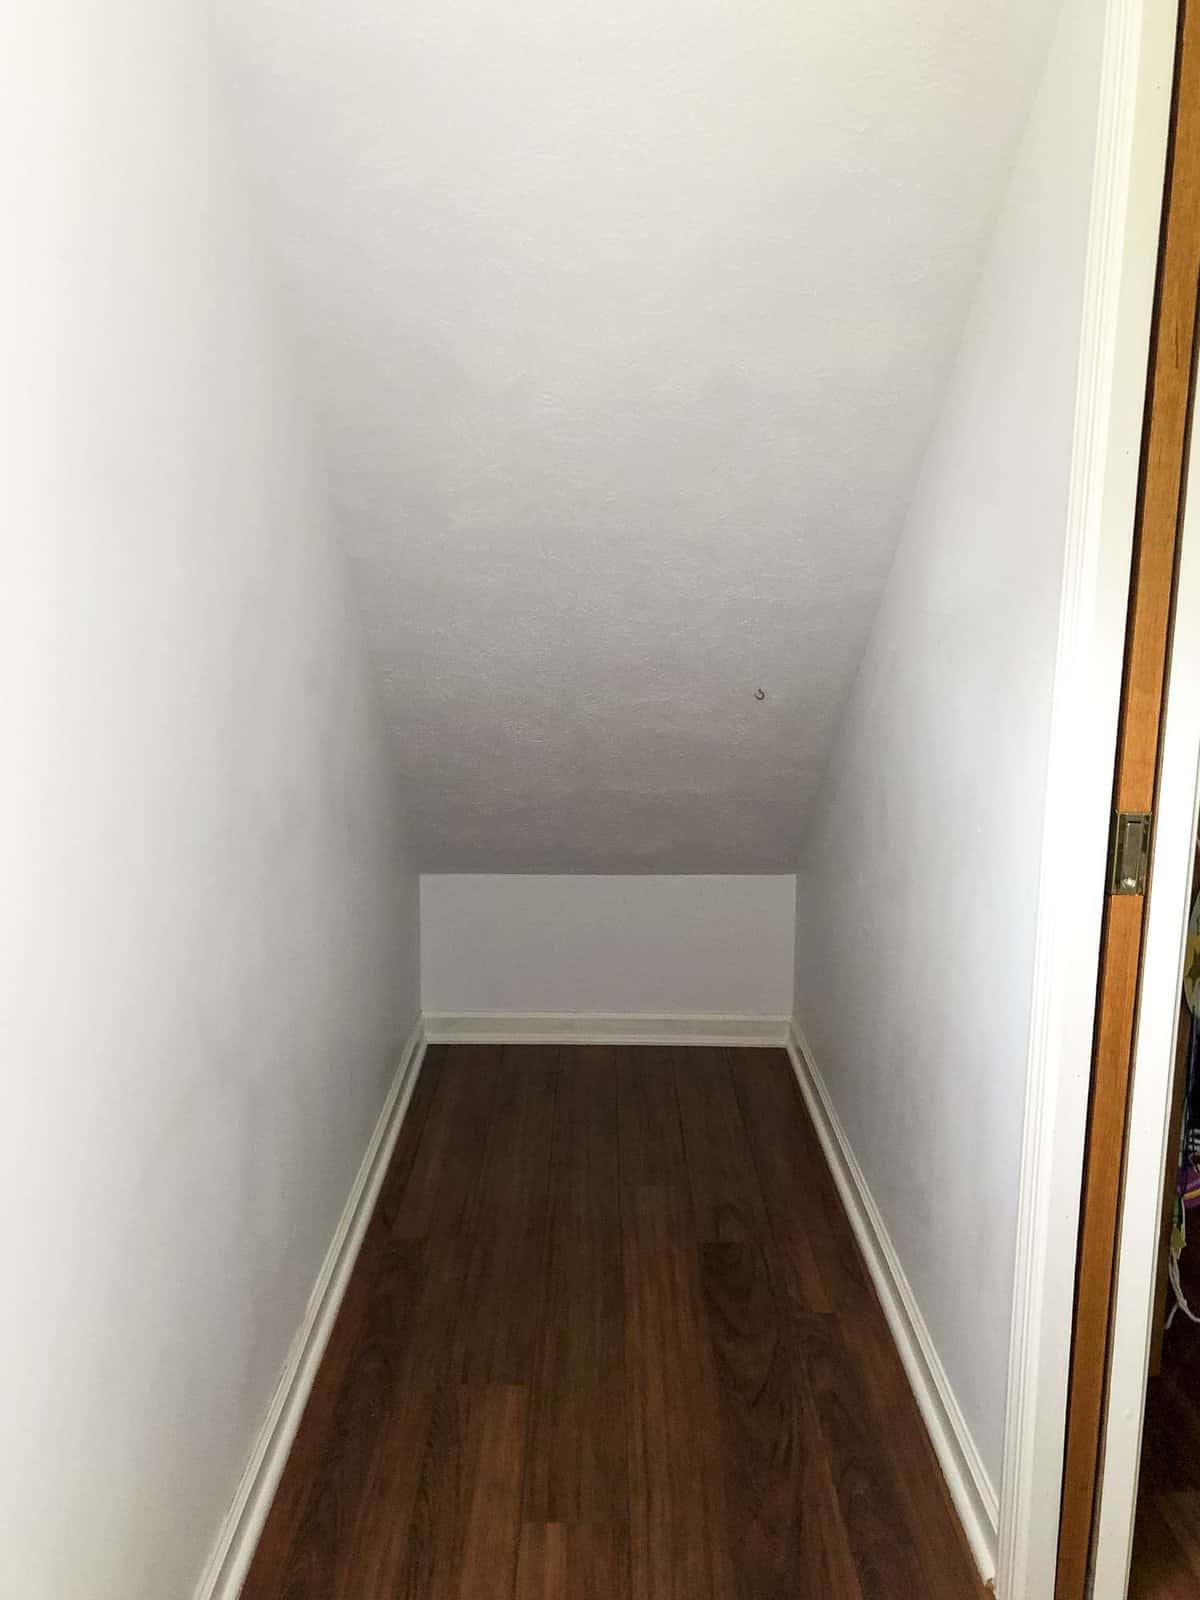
(716, 947)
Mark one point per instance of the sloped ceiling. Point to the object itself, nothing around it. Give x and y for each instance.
(622, 325)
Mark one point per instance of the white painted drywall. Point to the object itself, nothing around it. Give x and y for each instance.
(653, 945)
(627, 325)
(917, 898)
(208, 942)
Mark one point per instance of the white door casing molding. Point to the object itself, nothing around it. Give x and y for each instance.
(1151, 1138)
(1135, 92)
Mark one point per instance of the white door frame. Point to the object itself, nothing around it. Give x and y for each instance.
(1126, 207)
(1151, 1139)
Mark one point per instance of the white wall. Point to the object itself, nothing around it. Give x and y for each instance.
(653, 945)
(209, 938)
(917, 898)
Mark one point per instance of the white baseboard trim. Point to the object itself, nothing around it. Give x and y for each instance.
(229, 1561)
(970, 1486)
(580, 1027)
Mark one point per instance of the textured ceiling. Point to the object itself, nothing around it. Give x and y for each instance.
(622, 324)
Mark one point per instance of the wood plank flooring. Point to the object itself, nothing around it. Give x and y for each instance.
(1166, 1545)
(609, 1338)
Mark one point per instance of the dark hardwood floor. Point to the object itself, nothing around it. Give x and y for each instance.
(1166, 1545)
(609, 1338)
